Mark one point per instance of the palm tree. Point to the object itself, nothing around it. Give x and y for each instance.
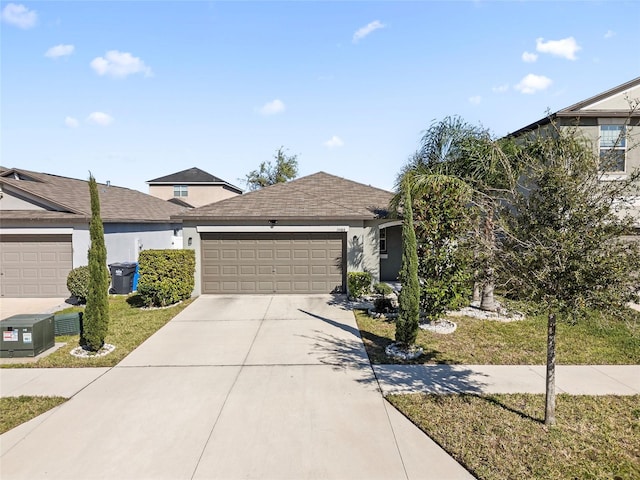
(454, 150)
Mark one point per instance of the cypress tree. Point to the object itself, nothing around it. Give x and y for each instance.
(96, 314)
(407, 323)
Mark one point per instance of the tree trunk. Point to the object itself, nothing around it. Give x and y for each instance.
(477, 284)
(550, 401)
(488, 302)
(477, 287)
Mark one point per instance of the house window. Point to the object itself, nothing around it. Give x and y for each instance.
(180, 191)
(383, 240)
(613, 147)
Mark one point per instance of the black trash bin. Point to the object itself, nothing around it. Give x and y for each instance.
(122, 277)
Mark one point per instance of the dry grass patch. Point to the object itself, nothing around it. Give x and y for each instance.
(17, 410)
(597, 341)
(503, 436)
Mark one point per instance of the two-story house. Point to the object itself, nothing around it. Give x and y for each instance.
(192, 188)
(611, 121)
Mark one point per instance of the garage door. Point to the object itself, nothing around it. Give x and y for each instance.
(35, 265)
(272, 263)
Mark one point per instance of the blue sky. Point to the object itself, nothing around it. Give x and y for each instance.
(132, 91)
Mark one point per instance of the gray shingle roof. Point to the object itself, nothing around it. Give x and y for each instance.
(192, 176)
(68, 198)
(318, 196)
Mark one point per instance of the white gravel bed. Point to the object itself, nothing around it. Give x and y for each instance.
(80, 352)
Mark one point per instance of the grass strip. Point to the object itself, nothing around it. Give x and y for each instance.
(503, 436)
(597, 340)
(17, 410)
(129, 326)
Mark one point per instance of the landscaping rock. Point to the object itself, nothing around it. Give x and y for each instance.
(401, 353)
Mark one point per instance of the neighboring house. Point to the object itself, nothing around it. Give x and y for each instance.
(44, 229)
(612, 126)
(192, 187)
(297, 237)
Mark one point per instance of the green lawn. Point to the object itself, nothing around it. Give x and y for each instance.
(503, 436)
(17, 410)
(596, 340)
(129, 326)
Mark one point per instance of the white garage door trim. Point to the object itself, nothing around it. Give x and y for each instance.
(272, 262)
(270, 228)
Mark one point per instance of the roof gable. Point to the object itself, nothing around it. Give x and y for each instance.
(70, 197)
(317, 196)
(611, 103)
(192, 176)
(18, 175)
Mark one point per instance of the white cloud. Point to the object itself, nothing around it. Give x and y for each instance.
(119, 65)
(100, 118)
(533, 83)
(366, 30)
(566, 48)
(500, 88)
(529, 57)
(19, 16)
(475, 100)
(609, 34)
(71, 122)
(334, 142)
(272, 108)
(59, 51)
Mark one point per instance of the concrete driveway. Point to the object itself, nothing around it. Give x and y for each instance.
(16, 306)
(258, 387)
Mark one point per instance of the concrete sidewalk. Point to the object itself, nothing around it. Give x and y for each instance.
(488, 379)
(57, 382)
(399, 379)
(268, 387)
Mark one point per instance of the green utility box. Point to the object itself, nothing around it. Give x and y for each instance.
(26, 335)
(68, 324)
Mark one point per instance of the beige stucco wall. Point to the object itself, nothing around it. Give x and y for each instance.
(591, 132)
(198, 195)
(619, 101)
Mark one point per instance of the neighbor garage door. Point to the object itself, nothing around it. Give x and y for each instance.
(35, 265)
(272, 263)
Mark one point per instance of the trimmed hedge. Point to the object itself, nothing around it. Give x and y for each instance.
(383, 289)
(78, 283)
(166, 276)
(359, 283)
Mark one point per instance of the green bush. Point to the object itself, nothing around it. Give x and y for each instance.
(78, 283)
(166, 276)
(383, 289)
(383, 305)
(359, 283)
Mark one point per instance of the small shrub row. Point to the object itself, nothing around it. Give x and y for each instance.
(359, 283)
(166, 276)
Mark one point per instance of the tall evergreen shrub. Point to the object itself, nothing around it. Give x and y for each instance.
(96, 314)
(407, 323)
